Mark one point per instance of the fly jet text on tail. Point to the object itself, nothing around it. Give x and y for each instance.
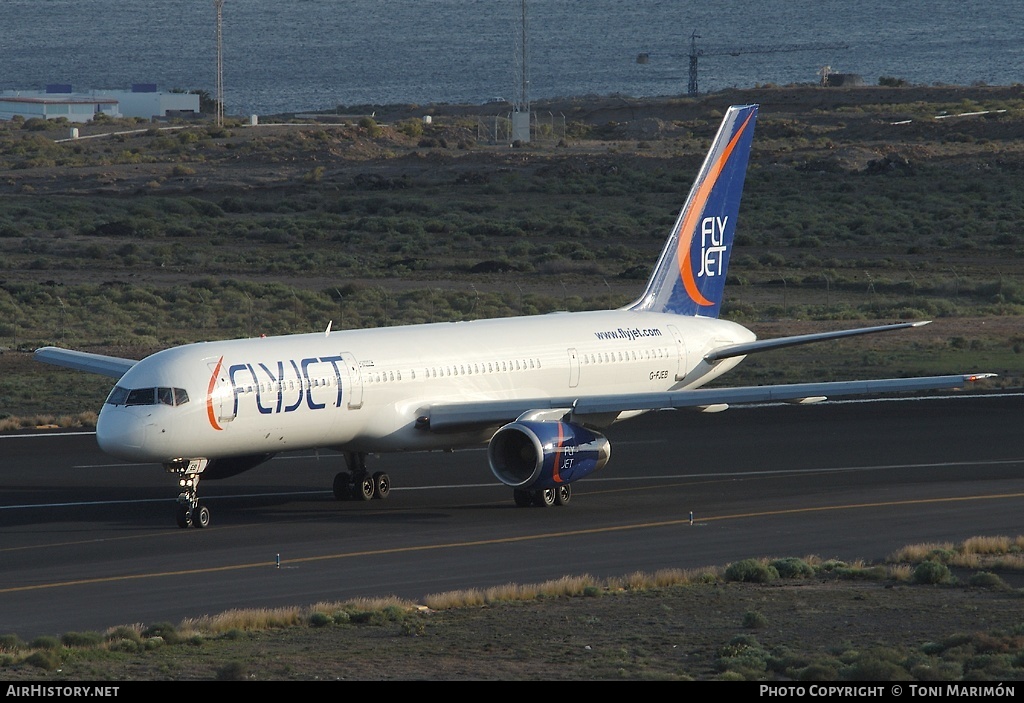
(536, 390)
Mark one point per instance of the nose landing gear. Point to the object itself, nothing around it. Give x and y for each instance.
(189, 511)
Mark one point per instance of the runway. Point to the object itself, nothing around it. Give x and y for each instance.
(88, 542)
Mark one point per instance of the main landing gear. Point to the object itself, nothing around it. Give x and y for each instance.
(544, 497)
(357, 484)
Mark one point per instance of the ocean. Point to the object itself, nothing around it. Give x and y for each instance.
(300, 55)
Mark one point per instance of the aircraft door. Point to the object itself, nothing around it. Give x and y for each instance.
(220, 396)
(574, 368)
(355, 381)
(681, 368)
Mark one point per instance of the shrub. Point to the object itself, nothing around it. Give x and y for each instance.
(10, 643)
(319, 619)
(874, 667)
(754, 620)
(232, 671)
(792, 567)
(371, 126)
(411, 128)
(986, 579)
(126, 646)
(48, 660)
(164, 630)
(743, 655)
(751, 571)
(45, 642)
(931, 572)
(123, 632)
(81, 639)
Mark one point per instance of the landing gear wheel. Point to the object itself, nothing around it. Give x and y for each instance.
(523, 499)
(544, 498)
(381, 485)
(364, 489)
(342, 486)
(201, 517)
(187, 514)
(563, 494)
(182, 517)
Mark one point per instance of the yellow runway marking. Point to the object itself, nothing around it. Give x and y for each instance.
(507, 540)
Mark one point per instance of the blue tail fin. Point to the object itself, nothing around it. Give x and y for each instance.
(690, 275)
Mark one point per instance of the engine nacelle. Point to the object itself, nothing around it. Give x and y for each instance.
(535, 455)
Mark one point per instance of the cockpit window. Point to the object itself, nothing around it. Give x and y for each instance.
(147, 396)
(140, 396)
(117, 396)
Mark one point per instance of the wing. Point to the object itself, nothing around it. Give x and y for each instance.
(112, 366)
(459, 416)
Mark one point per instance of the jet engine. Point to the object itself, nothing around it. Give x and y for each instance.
(538, 455)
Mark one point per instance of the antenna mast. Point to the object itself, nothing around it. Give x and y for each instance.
(521, 104)
(522, 101)
(219, 5)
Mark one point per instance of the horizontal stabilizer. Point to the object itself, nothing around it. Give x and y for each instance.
(782, 342)
(113, 366)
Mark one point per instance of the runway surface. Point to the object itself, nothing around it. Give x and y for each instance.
(88, 542)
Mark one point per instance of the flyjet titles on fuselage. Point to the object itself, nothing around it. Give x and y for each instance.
(288, 385)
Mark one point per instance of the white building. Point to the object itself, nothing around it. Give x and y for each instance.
(142, 100)
(74, 108)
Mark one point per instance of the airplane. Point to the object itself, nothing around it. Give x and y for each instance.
(537, 391)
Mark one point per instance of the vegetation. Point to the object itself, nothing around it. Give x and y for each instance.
(424, 640)
(154, 235)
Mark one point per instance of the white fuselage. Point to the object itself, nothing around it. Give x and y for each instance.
(363, 390)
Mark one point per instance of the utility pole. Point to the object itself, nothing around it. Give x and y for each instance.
(219, 5)
(521, 105)
(696, 53)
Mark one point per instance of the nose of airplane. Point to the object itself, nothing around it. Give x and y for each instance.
(121, 432)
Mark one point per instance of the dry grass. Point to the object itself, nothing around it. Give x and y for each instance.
(993, 545)
(244, 619)
(991, 552)
(85, 419)
(443, 638)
